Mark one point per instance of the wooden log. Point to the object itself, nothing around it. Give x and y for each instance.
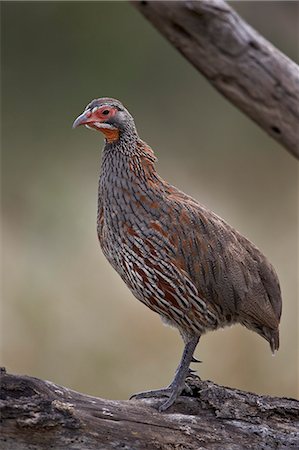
(40, 415)
(247, 69)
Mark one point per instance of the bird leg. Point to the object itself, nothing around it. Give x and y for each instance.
(178, 384)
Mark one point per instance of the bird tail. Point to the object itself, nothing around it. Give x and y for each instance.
(273, 337)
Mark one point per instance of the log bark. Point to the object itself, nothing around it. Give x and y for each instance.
(40, 415)
(247, 69)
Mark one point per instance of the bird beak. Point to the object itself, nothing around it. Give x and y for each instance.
(83, 119)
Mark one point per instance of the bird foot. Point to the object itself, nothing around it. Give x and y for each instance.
(172, 392)
(178, 385)
(164, 392)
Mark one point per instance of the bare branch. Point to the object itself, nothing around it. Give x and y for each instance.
(242, 65)
(39, 415)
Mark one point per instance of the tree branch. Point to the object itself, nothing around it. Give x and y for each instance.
(242, 65)
(39, 415)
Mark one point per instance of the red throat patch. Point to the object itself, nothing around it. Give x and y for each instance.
(110, 135)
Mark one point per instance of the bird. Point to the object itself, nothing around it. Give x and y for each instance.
(176, 256)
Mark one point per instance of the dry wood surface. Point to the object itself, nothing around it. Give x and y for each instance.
(40, 415)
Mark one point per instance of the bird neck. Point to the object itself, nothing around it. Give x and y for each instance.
(128, 180)
(129, 160)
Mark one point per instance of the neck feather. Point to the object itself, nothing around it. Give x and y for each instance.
(129, 158)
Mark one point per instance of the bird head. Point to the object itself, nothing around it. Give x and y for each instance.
(108, 116)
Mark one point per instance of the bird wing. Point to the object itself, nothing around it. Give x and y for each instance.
(226, 268)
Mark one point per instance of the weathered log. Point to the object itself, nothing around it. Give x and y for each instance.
(39, 415)
(242, 65)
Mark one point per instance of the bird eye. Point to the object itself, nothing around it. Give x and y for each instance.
(105, 112)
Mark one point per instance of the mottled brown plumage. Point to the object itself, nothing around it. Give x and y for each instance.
(177, 257)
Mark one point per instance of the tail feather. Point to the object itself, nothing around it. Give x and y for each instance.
(273, 337)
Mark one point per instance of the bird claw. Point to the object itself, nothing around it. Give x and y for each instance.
(193, 375)
(194, 360)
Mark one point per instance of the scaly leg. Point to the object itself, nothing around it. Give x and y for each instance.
(178, 384)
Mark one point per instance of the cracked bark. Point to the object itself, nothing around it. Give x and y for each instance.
(249, 71)
(39, 415)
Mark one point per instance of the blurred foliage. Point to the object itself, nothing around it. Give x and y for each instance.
(67, 316)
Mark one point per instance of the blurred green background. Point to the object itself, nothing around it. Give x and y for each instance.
(66, 315)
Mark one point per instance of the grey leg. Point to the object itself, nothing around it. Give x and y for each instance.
(177, 385)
